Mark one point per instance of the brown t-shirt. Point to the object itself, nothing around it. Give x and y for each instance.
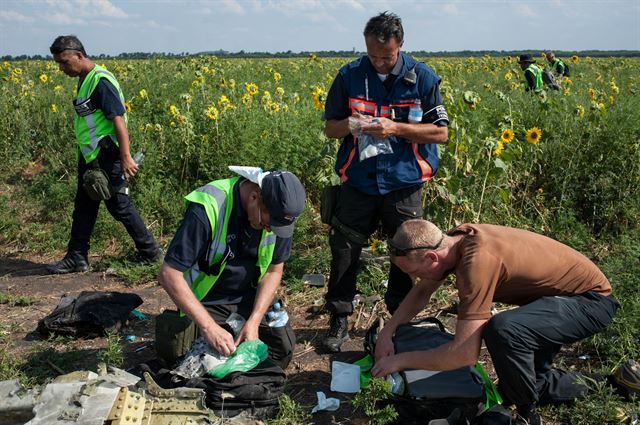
(515, 266)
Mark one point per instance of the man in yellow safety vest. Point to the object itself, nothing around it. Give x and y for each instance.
(104, 159)
(228, 255)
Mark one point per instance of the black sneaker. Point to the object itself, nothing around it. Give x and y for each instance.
(69, 265)
(338, 333)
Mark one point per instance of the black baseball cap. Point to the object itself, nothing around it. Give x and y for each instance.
(526, 58)
(283, 195)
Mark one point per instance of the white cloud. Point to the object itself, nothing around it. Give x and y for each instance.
(63, 19)
(450, 9)
(526, 10)
(82, 10)
(151, 24)
(233, 6)
(106, 8)
(352, 4)
(11, 16)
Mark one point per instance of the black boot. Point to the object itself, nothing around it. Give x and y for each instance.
(69, 264)
(527, 415)
(338, 333)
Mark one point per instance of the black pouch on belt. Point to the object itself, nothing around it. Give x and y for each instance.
(328, 201)
(95, 182)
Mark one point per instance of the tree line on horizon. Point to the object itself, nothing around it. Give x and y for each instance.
(339, 53)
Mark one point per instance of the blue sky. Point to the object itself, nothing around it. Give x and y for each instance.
(116, 26)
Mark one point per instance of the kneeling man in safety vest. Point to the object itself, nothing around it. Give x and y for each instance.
(228, 256)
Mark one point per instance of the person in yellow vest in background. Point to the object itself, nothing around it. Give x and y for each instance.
(556, 65)
(532, 73)
(104, 159)
(228, 255)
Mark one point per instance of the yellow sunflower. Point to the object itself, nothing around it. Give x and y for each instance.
(575, 59)
(277, 77)
(533, 135)
(592, 93)
(580, 111)
(279, 92)
(246, 99)
(54, 108)
(507, 136)
(127, 106)
(498, 150)
(173, 110)
(44, 78)
(143, 94)
(212, 113)
(252, 89)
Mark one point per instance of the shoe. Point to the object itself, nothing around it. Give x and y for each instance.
(69, 265)
(527, 415)
(338, 333)
(627, 377)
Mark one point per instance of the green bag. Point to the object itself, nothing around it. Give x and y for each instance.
(247, 356)
(96, 183)
(174, 335)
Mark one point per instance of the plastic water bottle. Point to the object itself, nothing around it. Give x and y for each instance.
(415, 112)
(397, 383)
(277, 317)
(138, 158)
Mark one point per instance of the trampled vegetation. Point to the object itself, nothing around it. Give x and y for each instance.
(563, 163)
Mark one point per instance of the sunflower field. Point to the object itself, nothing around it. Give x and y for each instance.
(563, 163)
(546, 162)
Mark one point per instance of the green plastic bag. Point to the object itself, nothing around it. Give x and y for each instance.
(248, 355)
(365, 363)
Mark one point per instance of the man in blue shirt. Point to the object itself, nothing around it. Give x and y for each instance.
(371, 97)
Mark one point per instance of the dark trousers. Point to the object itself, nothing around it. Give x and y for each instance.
(363, 213)
(523, 342)
(281, 340)
(85, 209)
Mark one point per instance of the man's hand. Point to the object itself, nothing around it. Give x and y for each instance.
(249, 332)
(129, 167)
(219, 339)
(380, 128)
(384, 345)
(386, 366)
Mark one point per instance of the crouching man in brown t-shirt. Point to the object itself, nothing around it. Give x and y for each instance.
(563, 298)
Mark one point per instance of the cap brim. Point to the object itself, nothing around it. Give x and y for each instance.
(283, 231)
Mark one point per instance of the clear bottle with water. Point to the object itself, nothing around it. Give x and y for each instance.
(277, 316)
(415, 112)
(397, 383)
(138, 158)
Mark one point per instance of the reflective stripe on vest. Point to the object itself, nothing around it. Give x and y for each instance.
(217, 197)
(537, 73)
(90, 124)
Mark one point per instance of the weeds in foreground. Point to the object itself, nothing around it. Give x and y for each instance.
(370, 399)
(290, 413)
(602, 405)
(19, 301)
(112, 355)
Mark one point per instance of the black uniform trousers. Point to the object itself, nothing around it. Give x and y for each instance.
(85, 210)
(523, 342)
(363, 213)
(280, 340)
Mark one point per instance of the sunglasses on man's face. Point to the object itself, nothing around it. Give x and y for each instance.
(396, 251)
